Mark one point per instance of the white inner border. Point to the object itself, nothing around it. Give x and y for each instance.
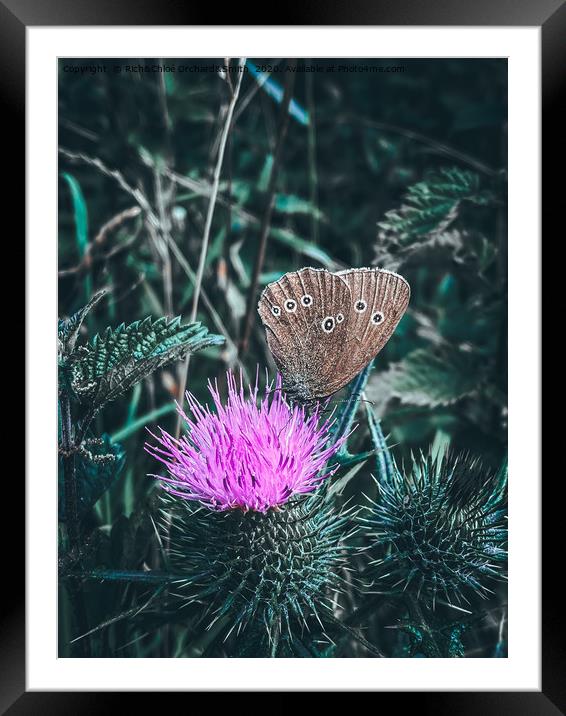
(521, 671)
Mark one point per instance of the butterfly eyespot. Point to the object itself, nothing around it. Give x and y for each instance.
(360, 306)
(339, 318)
(276, 310)
(290, 306)
(377, 318)
(306, 300)
(328, 324)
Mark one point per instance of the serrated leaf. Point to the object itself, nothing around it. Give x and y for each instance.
(68, 329)
(433, 377)
(118, 358)
(94, 475)
(431, 205)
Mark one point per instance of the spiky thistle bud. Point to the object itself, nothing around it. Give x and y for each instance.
(269, 572)
(439, 531)
(251, 542)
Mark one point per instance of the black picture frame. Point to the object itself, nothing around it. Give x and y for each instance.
(15, 16)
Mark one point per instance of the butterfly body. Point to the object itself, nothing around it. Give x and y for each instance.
(323, 328)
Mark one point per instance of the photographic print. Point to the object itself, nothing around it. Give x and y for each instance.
(282, 356)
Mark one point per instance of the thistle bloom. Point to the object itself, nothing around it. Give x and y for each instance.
(245, 455)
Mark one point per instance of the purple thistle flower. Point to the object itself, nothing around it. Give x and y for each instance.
(243, 455)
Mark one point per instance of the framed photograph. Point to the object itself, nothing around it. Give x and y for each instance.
(290, 411)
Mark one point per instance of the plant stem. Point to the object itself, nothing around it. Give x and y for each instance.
(417, 614)
(313, 179)
(72, 514)
(357, 636)
(184, 264)
(208, 224)
(69, 474)
(266, 220)
(162, 244)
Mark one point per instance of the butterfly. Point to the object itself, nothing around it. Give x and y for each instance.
(323, 328)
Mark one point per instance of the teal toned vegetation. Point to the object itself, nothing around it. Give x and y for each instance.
(181, 195)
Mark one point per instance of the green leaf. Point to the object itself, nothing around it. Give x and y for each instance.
(307, 248)
(440, 446)
(68, 329)
(142, 421)
(433, 377)
(431, 205)
(338, 486)
(347, 459)
(81, 222)
(263, 180)
(119, 358)
(290, 204)
(95, 473)
(80, 212)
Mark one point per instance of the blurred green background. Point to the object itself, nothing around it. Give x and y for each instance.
(403, 166)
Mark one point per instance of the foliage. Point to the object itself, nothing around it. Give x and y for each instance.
(432, 205)
(119, 358)
(461, 320)
(113, 362)
(405, 170)
(98, 465)
(93, 374)
(434, 377)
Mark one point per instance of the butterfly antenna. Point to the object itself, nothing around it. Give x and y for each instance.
(359, 396)
(362, 400)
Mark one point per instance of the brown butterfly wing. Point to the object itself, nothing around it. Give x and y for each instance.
(293, 310)
(379, 300)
